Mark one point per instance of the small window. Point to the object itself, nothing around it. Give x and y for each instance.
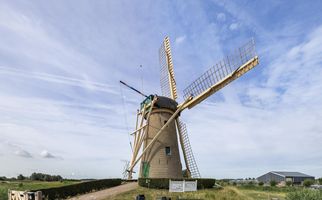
(168, 151)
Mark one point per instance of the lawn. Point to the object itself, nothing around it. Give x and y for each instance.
(28, 185)
(227, 193)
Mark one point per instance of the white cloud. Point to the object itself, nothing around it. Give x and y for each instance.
(46, 154)
(221, 17)
(23, 153)
(180, 39)
(234, 26)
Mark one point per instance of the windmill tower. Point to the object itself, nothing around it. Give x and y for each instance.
(159, 132)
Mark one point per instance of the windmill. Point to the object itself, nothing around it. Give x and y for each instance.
(159, 131)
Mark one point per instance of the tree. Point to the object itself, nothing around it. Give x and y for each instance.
(20, 177)
(308, 182)
(272, 183)
(59, 178)
(288, 183)
(261, 183)
(45, 177)
(35, 176)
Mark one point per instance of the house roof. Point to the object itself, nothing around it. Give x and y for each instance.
(291, 174)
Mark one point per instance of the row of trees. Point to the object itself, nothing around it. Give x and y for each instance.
(45, 177)
(35, 177)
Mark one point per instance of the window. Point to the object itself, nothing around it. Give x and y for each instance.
(168, 151)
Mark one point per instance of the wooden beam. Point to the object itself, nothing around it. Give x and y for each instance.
(171, 79)
(138, 129)
(138, 136)
(219, 85)
(140, 140)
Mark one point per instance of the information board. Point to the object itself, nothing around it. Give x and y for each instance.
(182, 186)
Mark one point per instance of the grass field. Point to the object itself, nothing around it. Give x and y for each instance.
(227, 193)
(28, 185)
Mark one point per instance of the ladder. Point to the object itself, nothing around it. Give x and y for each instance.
(190, 159)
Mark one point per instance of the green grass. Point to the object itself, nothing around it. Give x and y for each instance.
(28, 185)
(227, 193)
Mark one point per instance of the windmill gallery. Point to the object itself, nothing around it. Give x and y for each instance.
(159, 131)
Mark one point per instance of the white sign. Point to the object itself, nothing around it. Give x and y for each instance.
(182, 186)
(190, 186)
(176, 186)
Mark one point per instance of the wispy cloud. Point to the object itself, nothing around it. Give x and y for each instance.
(180, 39)
(86, 84)
(16, 149)
(23, 153)
(221, 17)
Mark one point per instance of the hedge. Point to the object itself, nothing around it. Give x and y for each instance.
(78, 188)
(305, 194)
(163, 183)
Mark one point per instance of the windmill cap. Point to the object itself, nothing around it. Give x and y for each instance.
(167, 103)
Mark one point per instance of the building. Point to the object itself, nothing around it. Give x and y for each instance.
(283, 177)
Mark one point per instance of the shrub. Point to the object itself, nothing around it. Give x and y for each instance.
(288, 183)
(273, 183)
(79, 188)
(320, 181)
(308, 182)
(261, 183)
(305, 194)
(163, 183)
(185, 173)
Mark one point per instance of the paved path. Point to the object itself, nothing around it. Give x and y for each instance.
(103, 194)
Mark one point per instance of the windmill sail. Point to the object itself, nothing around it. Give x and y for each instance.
(187, 150)
(167, 80)
(168, 88)
(230, 68)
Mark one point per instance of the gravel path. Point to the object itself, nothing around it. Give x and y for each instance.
(103, 194)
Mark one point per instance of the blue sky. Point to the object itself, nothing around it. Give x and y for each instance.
(61, 105)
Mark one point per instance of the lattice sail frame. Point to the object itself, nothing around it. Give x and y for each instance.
(167, 79)
(221, 70)
(188, 155)
(168, 89)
